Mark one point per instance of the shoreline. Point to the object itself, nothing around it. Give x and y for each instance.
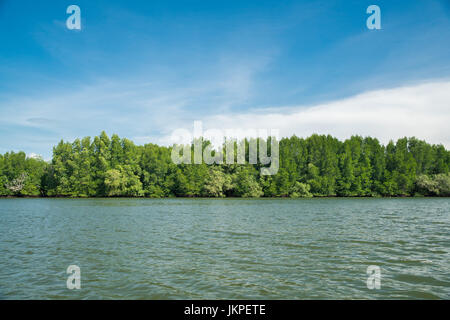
(223, 198)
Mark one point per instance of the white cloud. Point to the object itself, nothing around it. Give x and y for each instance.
(146, 114)
(421, 110)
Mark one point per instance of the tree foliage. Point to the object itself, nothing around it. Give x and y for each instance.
(319, 165)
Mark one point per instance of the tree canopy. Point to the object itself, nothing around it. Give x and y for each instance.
(319, 165)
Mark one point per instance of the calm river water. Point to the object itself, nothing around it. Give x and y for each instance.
(225, 248)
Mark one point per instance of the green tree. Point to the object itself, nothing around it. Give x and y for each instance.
(217, 183)
(123, 182)
(300, 190)
(245, 183)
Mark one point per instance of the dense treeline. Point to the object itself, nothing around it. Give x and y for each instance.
(316, 166)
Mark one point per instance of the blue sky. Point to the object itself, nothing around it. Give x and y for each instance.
(144, 68)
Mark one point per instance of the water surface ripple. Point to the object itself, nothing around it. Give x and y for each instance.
(224, 248)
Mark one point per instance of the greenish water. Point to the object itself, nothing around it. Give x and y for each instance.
(224, 249)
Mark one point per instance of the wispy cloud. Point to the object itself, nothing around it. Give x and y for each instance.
(147, 113)
(134, 107)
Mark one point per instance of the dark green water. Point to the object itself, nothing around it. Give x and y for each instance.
(224, 249)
